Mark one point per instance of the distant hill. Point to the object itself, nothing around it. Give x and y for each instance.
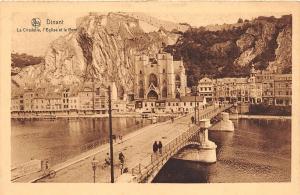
(230, 49)
(23, 60)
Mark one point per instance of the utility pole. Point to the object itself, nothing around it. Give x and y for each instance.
(93, 95)
(195, 93)
(110, 138)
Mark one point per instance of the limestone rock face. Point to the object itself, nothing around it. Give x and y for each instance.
(102, 49)
(255, 42)
(283, 52)
(229, 50)
(245, 42)
(221, 49)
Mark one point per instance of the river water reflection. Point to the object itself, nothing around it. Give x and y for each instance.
(46, 139)
(257, 151)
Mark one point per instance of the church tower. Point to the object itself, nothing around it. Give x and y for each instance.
(252, 71)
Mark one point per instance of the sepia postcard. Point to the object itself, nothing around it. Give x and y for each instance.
(142, 97)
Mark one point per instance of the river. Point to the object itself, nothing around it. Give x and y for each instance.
(259, 150)
(44, 139)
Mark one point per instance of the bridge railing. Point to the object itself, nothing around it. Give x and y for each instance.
(143, 170)
(212, 113)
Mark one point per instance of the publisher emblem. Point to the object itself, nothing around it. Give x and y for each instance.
(36, 22)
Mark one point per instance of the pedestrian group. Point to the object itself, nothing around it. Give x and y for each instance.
(157, 146)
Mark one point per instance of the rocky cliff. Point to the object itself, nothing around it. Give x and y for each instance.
(229, 50)
(102, 49)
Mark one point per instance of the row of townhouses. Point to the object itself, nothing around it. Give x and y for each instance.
(260, 87)
(86, 99)
(160, 86)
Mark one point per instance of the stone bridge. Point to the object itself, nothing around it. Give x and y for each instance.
(142, 164)
(196, 134)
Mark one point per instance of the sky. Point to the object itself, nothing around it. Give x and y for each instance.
(37, 43)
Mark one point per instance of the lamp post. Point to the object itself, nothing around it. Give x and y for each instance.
(94, 167)
(110, 138)
(195, 94)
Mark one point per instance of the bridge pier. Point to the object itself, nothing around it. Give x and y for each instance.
(224, 125)
(207, 148)
(204, 152)
(234, 113)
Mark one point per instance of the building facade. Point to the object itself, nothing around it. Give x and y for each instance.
(159, 78)
(185, 104)
(283, 89)
(206, 89)
(260, 87)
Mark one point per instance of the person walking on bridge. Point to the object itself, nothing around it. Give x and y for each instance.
(159, 147)
(155, 147)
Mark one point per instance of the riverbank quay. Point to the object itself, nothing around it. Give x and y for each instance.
(248, 116)
(90, 153)
(125, 115)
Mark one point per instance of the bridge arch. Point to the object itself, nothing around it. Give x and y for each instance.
(166, 158)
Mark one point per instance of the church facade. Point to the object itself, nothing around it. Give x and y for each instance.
(159, 78)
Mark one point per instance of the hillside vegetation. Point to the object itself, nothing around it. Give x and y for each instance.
(264, 41)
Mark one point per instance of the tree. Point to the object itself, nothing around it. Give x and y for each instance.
(240, 20)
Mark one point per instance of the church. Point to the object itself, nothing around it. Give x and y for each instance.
(159, 77)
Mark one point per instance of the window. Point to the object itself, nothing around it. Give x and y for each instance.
(164, 71)
(153, 80)
(98, 91)
(164, 92)
(141, 83)
(141, 93)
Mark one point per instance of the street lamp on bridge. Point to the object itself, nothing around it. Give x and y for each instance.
(94, 167)
(195, 93)
(112, 178)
